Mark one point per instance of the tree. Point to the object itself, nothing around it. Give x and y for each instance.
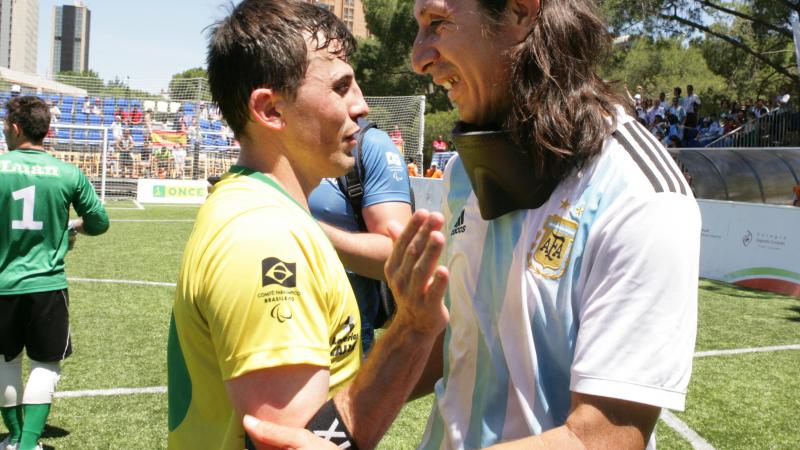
(190, 84)
(382, 63)
(767, 20)
(660, 65)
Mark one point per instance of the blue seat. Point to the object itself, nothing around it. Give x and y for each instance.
(66, 117)
(78, 135)
(216, 125)
(62, 135)
(79, 118)
(109, 101)
(95, 120)
(67, 99)
(122, 103)
(136, 103)
(95, 135)
(205, 124)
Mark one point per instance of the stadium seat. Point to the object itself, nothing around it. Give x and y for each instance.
(62, 135)
(122, 103)
(95, 120)
(95, 136)
(136, 103)
(109, 101)
(65, 117)
(78, 135)
(79, 118)
(205, 124)
(216, 125)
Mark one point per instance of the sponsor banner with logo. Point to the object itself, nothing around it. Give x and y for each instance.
(752, 245)
(172, 191)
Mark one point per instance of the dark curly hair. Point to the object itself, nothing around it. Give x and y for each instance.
(31, 114)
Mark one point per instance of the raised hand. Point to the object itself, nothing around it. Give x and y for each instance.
(417, 283)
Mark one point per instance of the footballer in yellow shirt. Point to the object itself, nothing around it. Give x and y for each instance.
(260, 286)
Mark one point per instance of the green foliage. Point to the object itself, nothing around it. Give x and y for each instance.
(191, 84)
(437, 123)
(759, 26)
(95, 86)
(659, 66)
(382, 63)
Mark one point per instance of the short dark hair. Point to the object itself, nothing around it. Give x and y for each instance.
(262, 43)
(31, 114)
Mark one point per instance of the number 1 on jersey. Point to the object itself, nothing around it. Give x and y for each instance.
(28, 197)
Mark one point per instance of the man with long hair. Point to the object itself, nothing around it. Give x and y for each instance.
(574, 245)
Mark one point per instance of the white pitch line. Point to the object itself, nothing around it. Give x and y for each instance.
(138, 205)
(737, 351)
(136, 282)
(681, 428)
(109, 392)
(152, 220)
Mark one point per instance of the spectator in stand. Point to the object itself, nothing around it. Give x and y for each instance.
(136, 116)
(676, 93)
(96, 110)
(674, 129)
(397, 137)
(16, 90)
(439, 144)
(148, 122)
(433, 171)
(179, 157)
(125, 150)
(673, 142)
(663, 103)
(87, 106)
(677, 110)
(652, 109)
(692, 102)
(796, 195)
(412, 169)
(145, 154)
(55, 112)
(760, 109)
(659, 127)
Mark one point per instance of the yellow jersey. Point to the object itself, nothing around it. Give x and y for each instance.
(260, 286)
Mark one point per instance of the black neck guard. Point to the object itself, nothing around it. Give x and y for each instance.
(499, 172)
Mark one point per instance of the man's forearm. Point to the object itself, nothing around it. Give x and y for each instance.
(363, 253)
(371, 403)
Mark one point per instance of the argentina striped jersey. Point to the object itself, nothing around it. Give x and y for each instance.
(595, 292)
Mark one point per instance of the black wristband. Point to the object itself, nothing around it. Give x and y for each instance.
(328, 424)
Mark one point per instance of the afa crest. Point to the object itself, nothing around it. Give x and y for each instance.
(549, 255)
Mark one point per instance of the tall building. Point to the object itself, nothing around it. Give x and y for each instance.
(350, 11)
(19, 31)
(71, 24)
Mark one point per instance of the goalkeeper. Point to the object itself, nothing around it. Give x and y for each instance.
(35, 232)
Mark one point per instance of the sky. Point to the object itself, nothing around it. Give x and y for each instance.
(145, 41)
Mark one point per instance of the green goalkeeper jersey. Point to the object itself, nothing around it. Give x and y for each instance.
(36, 191)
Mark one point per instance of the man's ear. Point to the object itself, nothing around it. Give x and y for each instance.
(523, 14)
(266, 107)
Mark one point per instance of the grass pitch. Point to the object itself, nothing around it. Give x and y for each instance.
(738, 401)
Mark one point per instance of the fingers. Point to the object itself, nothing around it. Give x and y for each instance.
(271, 434)
(402, 241)
(422, 267)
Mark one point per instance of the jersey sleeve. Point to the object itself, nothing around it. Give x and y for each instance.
(385, 175)
(89, 207)
(638, 302)
(266, 306)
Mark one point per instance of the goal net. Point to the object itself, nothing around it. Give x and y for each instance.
(118, 135)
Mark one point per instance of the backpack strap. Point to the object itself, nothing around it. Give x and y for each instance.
(352, 183)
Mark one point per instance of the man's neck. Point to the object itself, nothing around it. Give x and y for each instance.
(30, 147)
(277, 167)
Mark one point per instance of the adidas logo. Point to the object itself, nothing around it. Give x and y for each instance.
(459, 227)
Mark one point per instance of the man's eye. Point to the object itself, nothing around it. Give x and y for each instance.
(436, 24)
